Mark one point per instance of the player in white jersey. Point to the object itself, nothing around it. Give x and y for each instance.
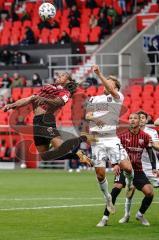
(103, 114)
(153, 175)
(145, 158)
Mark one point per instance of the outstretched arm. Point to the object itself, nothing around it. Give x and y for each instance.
(19, 103)
(151, 157)
(107, 84)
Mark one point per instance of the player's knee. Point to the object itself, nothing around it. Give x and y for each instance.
(128, 170)
(100, 177)
(149, 193)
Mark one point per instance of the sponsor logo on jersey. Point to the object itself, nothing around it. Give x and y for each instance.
(50, 130)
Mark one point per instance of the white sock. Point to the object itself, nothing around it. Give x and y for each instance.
(105, 217)
(139, 214)
(129, 178)
(128, 202)
(104, 188)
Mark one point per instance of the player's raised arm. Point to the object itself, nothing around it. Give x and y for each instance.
(19, 103)
(109, 85)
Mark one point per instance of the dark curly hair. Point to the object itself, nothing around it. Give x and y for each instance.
(71, 85)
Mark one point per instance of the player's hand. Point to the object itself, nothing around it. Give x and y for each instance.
(7, 107)
(89, 116)
(39, 100)
(95, 68)
(116, 170)
(155, 172)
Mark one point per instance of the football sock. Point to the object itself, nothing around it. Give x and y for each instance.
(128, 202)
(129, 178)
(114, 193)
(104, 187)
(146, 202)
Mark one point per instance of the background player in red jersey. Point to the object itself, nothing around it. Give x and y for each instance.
(134, 141)
(49, 99)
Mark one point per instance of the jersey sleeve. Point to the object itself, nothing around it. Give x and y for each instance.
(147, 140)
(65, 95)
(120, 99)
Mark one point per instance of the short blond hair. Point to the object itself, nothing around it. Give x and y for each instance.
(114, 79)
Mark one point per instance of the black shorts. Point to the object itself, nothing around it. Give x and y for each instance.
(139, 181)
(44, 129)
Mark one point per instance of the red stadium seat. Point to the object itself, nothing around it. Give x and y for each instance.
(135, 90)
(94, 36)
(127, 101)
(27, 23)
(75, 33)
(154, 8)
(16, 93)
(54, 35)
(43, 39)
(17, 24)
(148, 89)
(96, 11)
(26, 92)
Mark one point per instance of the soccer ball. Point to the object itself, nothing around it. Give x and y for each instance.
(47, 11)
(23, 165)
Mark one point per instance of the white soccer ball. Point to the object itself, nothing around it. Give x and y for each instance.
(23, 165)
(47, 11)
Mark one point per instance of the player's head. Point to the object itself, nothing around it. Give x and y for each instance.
(143, 118)
(134, 120)
(114, 82)
(66, 81)
(63, 78)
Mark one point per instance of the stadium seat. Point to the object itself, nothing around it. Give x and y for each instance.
(16, 93)
(96, 11)
(148, 89)
(127, 101)
(154, 8)
(75, 33)
(26, 92)
(135, 90)
(27, 23)
(94, 36)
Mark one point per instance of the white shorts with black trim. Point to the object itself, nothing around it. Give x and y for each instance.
(108, 149)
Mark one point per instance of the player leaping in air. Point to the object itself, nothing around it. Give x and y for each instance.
(103, 114)
(49, 99)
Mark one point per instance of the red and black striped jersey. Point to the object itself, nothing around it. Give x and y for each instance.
(52, 91)
(134, 144)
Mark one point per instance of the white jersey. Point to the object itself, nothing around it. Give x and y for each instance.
(107, 109)
(145, 157)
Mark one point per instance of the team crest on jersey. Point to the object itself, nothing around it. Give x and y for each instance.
(109, 99)
(50, 130)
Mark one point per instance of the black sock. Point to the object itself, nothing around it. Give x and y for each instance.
(65, 151)
(146, 202)
(115, 192)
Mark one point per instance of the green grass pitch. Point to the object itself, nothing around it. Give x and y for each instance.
(57, 205)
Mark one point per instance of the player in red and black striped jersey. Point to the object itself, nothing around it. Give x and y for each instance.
(49, 99)
(135, 141)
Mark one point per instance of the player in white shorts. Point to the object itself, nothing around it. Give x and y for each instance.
(103, 114)
(153, 176)
(145, 158)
